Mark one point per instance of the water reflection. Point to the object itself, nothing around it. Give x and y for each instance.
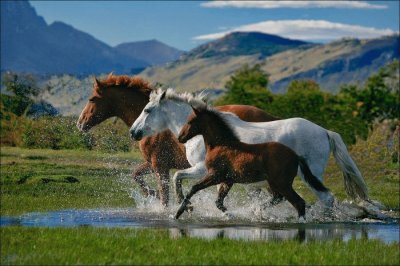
(211, 228)
(312, 232)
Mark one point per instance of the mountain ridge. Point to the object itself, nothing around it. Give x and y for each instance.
(29, 44)
(332, 64)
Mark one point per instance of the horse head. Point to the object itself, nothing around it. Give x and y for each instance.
(152, 120)
(120, 96)
(97, 109)
(192, 127)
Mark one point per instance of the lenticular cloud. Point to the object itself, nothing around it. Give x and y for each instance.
(305, 30)
(293, 4)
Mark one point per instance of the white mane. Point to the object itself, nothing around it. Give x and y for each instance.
(197, 101)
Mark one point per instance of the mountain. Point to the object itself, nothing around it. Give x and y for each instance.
(244, 43)
(152, 52)
(332, 64)
(30, 45)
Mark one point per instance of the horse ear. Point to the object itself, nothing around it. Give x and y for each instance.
(163, 95)
(97, 86)
(110, 75)
(195, 110)
(96, 82)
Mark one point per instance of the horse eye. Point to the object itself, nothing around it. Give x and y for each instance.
(147, 111)
(92, 100)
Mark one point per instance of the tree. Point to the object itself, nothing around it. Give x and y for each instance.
(379, 98)
(249, 85)
(23, 88)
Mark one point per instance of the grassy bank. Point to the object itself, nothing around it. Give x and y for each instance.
(40, 180)
(127, 246)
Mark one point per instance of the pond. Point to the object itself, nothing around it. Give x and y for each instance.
(211, 227)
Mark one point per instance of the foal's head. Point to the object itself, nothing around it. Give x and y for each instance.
(119, 96)
(210, 123)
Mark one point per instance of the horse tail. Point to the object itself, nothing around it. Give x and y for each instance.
(311, 180)
(355, 185)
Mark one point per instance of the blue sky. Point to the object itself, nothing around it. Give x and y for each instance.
(186, 24)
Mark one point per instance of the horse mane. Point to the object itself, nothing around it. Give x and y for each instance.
(229, 133)
(197, 101)
(136, 83)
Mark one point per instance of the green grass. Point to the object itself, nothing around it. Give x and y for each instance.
(41, 180)
(45, 246)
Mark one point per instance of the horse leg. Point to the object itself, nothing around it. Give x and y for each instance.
(205, 182)
(163, 185)
(295, 200)
(144, 169)
(276, 198)
(194, 172)
(317, 169)
(222, 192)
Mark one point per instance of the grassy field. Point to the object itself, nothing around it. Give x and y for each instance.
(126, 246)
(40, 180)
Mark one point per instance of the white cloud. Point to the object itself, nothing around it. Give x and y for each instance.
(293, 4)
(304, 30)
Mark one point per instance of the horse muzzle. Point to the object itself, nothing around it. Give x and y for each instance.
(136, 134)
(83, 127)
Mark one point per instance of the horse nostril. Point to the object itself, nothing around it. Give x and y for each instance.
(137, 135)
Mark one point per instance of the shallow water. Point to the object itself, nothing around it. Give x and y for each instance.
(210, 227)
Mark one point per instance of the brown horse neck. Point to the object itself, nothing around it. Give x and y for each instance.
(129, 106)
(213, 139)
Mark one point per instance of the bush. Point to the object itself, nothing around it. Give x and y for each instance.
(54, 133)
(12, 128)
(62, 133)
(112, 136)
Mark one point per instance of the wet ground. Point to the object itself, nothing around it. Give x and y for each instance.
(210, 227)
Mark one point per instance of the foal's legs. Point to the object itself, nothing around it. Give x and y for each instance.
(285, 189)
(222, 192)
(144, 169)
(295, 200)
(209, 180)
(276, 197)
(196, 172)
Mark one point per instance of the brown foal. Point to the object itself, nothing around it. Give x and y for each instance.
(230, 161)
(125, 97)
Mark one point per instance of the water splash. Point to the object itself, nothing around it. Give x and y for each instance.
(253, 209)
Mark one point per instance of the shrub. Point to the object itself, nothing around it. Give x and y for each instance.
(62, 133)
(54, 133)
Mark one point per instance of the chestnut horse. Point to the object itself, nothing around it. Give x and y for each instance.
(229, 161)
(125, 97)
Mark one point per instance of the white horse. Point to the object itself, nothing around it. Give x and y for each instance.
(169, 110)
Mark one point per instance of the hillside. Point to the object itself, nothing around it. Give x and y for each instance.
(28, 44)
(152, 52)
(342, 61)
